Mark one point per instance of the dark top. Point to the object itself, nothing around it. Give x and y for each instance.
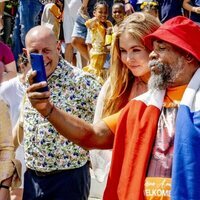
(194, 16)
(169, 9)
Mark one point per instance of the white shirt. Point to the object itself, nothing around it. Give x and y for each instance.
(11, 92)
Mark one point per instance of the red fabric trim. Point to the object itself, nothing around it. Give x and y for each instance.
(134, 139)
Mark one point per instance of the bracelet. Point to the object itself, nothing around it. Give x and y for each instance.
(4, 186)
(48, 115)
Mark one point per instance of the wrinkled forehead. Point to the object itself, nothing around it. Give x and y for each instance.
(41, 42)
(159, 42)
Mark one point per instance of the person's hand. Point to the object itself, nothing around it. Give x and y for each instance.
(84, 13)
(93, 23)
(94, 20)
(39, 100)
(196, 10)
(129, 8)
(107, 48)
(109, 31)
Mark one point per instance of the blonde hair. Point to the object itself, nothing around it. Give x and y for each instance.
(138, 25)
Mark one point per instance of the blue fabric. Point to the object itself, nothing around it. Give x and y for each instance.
(169, 9)
(79, 30)
(186, 160)
(133, 2)
(195, 2)
(27, 17)
(186, 166)
(69, 184)
(137, 7)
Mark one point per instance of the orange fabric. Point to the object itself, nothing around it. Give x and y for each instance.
(56, 11)
(173, 96)
(111, 121)
(133, 143)
(157, 188)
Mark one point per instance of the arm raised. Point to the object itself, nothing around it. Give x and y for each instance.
(88, 136)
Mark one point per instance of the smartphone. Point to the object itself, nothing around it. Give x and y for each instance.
(37, 64)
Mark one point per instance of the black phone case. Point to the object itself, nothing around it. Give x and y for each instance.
(37, 64)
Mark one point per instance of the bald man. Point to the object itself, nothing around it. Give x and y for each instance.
(56, 167)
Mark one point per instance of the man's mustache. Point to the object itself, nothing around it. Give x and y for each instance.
(156, 66)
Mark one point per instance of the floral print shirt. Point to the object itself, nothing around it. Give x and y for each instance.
(73, 91)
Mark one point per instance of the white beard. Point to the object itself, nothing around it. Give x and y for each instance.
(166, 74)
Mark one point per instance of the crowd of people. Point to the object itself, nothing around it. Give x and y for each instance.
(123, 83)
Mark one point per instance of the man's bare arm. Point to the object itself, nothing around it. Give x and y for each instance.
(88, 136)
